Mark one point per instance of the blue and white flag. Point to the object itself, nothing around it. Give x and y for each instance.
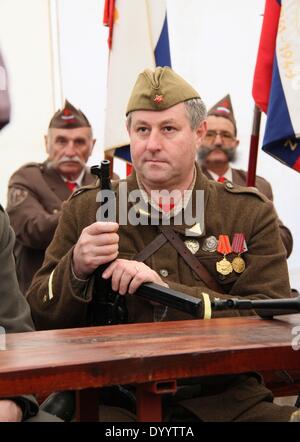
(139, 40)
(276, 87)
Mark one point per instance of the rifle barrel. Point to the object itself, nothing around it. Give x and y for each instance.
(264, 307)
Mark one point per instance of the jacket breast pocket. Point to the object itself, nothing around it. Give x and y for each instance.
(209, 261)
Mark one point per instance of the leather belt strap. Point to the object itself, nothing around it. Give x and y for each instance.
(151, 248)
(190, 259)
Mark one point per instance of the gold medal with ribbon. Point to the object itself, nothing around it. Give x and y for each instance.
(239, 246)
(224, 266)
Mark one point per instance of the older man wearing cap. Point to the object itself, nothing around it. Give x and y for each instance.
(166, 123)
(219, 148)
(36, 191)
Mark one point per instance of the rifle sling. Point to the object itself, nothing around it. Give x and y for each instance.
(151, 248)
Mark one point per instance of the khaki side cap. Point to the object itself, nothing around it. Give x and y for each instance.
(159, 90)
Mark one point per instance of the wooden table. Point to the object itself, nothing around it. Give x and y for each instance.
(151, 355)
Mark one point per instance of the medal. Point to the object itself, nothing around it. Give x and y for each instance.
(192, 245)
(239, 246)
(210, 244)
(224, 267)
(238, 264)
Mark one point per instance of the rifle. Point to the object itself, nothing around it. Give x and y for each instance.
(265, 308)
(108, 307)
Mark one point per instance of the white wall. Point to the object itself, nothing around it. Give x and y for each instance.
(25, 44)
(213, 45)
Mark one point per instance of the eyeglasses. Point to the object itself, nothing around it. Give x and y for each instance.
(226, 136)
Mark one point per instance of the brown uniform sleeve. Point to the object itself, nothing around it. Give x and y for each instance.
(54, 289)
(14, 310)
(286, 236)
(33, 222)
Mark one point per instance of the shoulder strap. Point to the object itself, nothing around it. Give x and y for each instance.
(151, 248)
(190, 259)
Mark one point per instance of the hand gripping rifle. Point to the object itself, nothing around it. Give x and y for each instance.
(108, 307)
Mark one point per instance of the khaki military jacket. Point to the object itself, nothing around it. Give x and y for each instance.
(59, 300)
(14, 309)
(35, 197)
(228, 209)
(240, 177)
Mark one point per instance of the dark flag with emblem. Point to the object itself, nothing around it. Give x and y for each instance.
(4, 96)
(276, 86)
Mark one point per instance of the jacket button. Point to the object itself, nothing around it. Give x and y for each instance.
(229, 185)
(164, 273)
(45, 298)
(55, 211)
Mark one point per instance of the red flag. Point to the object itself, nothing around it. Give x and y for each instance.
(265, 57)
(108, 19)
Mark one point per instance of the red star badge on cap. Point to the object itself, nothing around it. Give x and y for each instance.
(67, 112)
(158, 99)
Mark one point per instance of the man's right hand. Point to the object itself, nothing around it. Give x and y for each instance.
(98, 244)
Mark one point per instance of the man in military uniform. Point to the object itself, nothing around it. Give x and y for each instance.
(238, 246)
(218, 149)
(14, 309)
(36, 191)
(14, 317)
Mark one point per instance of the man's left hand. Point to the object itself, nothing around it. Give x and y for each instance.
(127, 276)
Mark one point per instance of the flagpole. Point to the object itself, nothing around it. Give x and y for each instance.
(253, 147)
(108, 20)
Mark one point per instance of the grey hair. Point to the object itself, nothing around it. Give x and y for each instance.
(196, 112)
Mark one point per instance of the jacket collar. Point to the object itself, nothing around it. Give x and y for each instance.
(197, 227)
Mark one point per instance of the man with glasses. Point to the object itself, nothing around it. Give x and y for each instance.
(218, 149)
(37, 190)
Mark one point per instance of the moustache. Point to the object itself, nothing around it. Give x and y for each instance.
(66, 159)
(204, 151)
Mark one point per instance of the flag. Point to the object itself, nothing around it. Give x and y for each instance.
(138, 39)
(4, 96)
(276, 85)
